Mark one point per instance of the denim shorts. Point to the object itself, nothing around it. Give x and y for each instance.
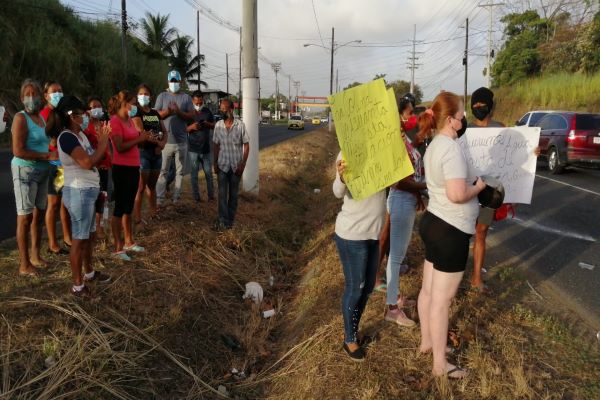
(81, 205)
(149, 161)
(31, 188)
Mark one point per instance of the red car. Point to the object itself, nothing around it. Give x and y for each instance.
(570, 138)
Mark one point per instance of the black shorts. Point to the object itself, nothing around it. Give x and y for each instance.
(446, 246)
(125, 181)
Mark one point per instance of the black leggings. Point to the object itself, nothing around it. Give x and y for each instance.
(125, 181)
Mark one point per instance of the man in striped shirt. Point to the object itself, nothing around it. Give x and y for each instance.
(231, 153)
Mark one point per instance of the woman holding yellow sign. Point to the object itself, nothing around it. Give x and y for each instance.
(357, 229)
(446, 227)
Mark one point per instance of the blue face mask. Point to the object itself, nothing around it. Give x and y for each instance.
(143, 100)
(85, 123)
(55, 98)
(32, 104)
(174, 87)
(132, 112)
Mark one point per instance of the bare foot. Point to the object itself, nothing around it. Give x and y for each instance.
(38, 262)
(30, 270)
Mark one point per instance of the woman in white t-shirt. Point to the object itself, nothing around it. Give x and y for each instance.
(81, 188)
(357, 229)
(446, 227)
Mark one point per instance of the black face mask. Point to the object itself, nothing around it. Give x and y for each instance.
(224, 114)
(481, 112)
(463, 128)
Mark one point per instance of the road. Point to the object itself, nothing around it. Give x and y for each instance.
(269, 135)
(549, 238)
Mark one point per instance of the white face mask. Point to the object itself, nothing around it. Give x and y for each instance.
(197, 107)
(174, 87)
(143, 100)
(97, 113)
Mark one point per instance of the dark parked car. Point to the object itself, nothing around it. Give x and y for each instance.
(570, 138)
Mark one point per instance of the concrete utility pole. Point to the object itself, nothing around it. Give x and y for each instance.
(276, 67)
(227, 71)
(466, 57)
(240, 76)
(124, 34)
(297, 86)
(250, 90)
(330, 127)
(198, 45)
(490, 6)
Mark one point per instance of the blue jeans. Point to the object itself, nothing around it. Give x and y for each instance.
(195, 160)
(402, 208)
(229, 184)
(359, 262)
(81, 203)
(176, 153)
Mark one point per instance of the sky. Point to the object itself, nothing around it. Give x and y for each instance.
(384, 27)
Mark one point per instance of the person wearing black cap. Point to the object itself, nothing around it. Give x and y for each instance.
(482, 106)
(81, 188)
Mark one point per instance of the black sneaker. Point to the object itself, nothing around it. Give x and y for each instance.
(84, 293)
(98, 277)
(357, 355)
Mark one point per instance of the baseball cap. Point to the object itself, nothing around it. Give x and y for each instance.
(493, 194)
(69, 103)
(174, 75)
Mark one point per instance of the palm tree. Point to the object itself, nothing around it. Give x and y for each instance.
(180, 58)
(158, 37)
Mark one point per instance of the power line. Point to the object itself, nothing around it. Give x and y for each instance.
(317, 22)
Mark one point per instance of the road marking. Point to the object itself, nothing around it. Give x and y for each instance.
(568, 184)
(544, 228)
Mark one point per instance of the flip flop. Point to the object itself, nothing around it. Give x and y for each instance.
(458, 370)
(382, 287)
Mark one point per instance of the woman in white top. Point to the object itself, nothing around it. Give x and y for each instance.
(357, 229)
(81, 188)
(446, 227)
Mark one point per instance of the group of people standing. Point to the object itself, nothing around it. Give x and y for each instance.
(367, 229)
(67, 152)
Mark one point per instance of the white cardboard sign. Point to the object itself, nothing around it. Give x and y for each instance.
(506, 154)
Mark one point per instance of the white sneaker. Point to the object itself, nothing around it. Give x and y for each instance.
(398, 316)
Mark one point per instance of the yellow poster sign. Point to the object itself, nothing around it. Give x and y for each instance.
(367, 125)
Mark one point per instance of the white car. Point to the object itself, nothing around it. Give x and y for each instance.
(532, 117)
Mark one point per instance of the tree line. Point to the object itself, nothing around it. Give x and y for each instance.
(541, 41)
(46, 40)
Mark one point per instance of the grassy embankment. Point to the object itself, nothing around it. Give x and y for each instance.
(574, 92)
(173, 323)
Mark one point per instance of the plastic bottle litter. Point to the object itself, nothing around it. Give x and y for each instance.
(253, 291)
(223, 390)
(587, 266)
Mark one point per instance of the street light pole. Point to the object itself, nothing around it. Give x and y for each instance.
(331, 76)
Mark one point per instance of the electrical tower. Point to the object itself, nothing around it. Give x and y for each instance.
(490, 6)
(412, 64)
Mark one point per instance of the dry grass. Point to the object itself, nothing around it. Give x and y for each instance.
(172, 323)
